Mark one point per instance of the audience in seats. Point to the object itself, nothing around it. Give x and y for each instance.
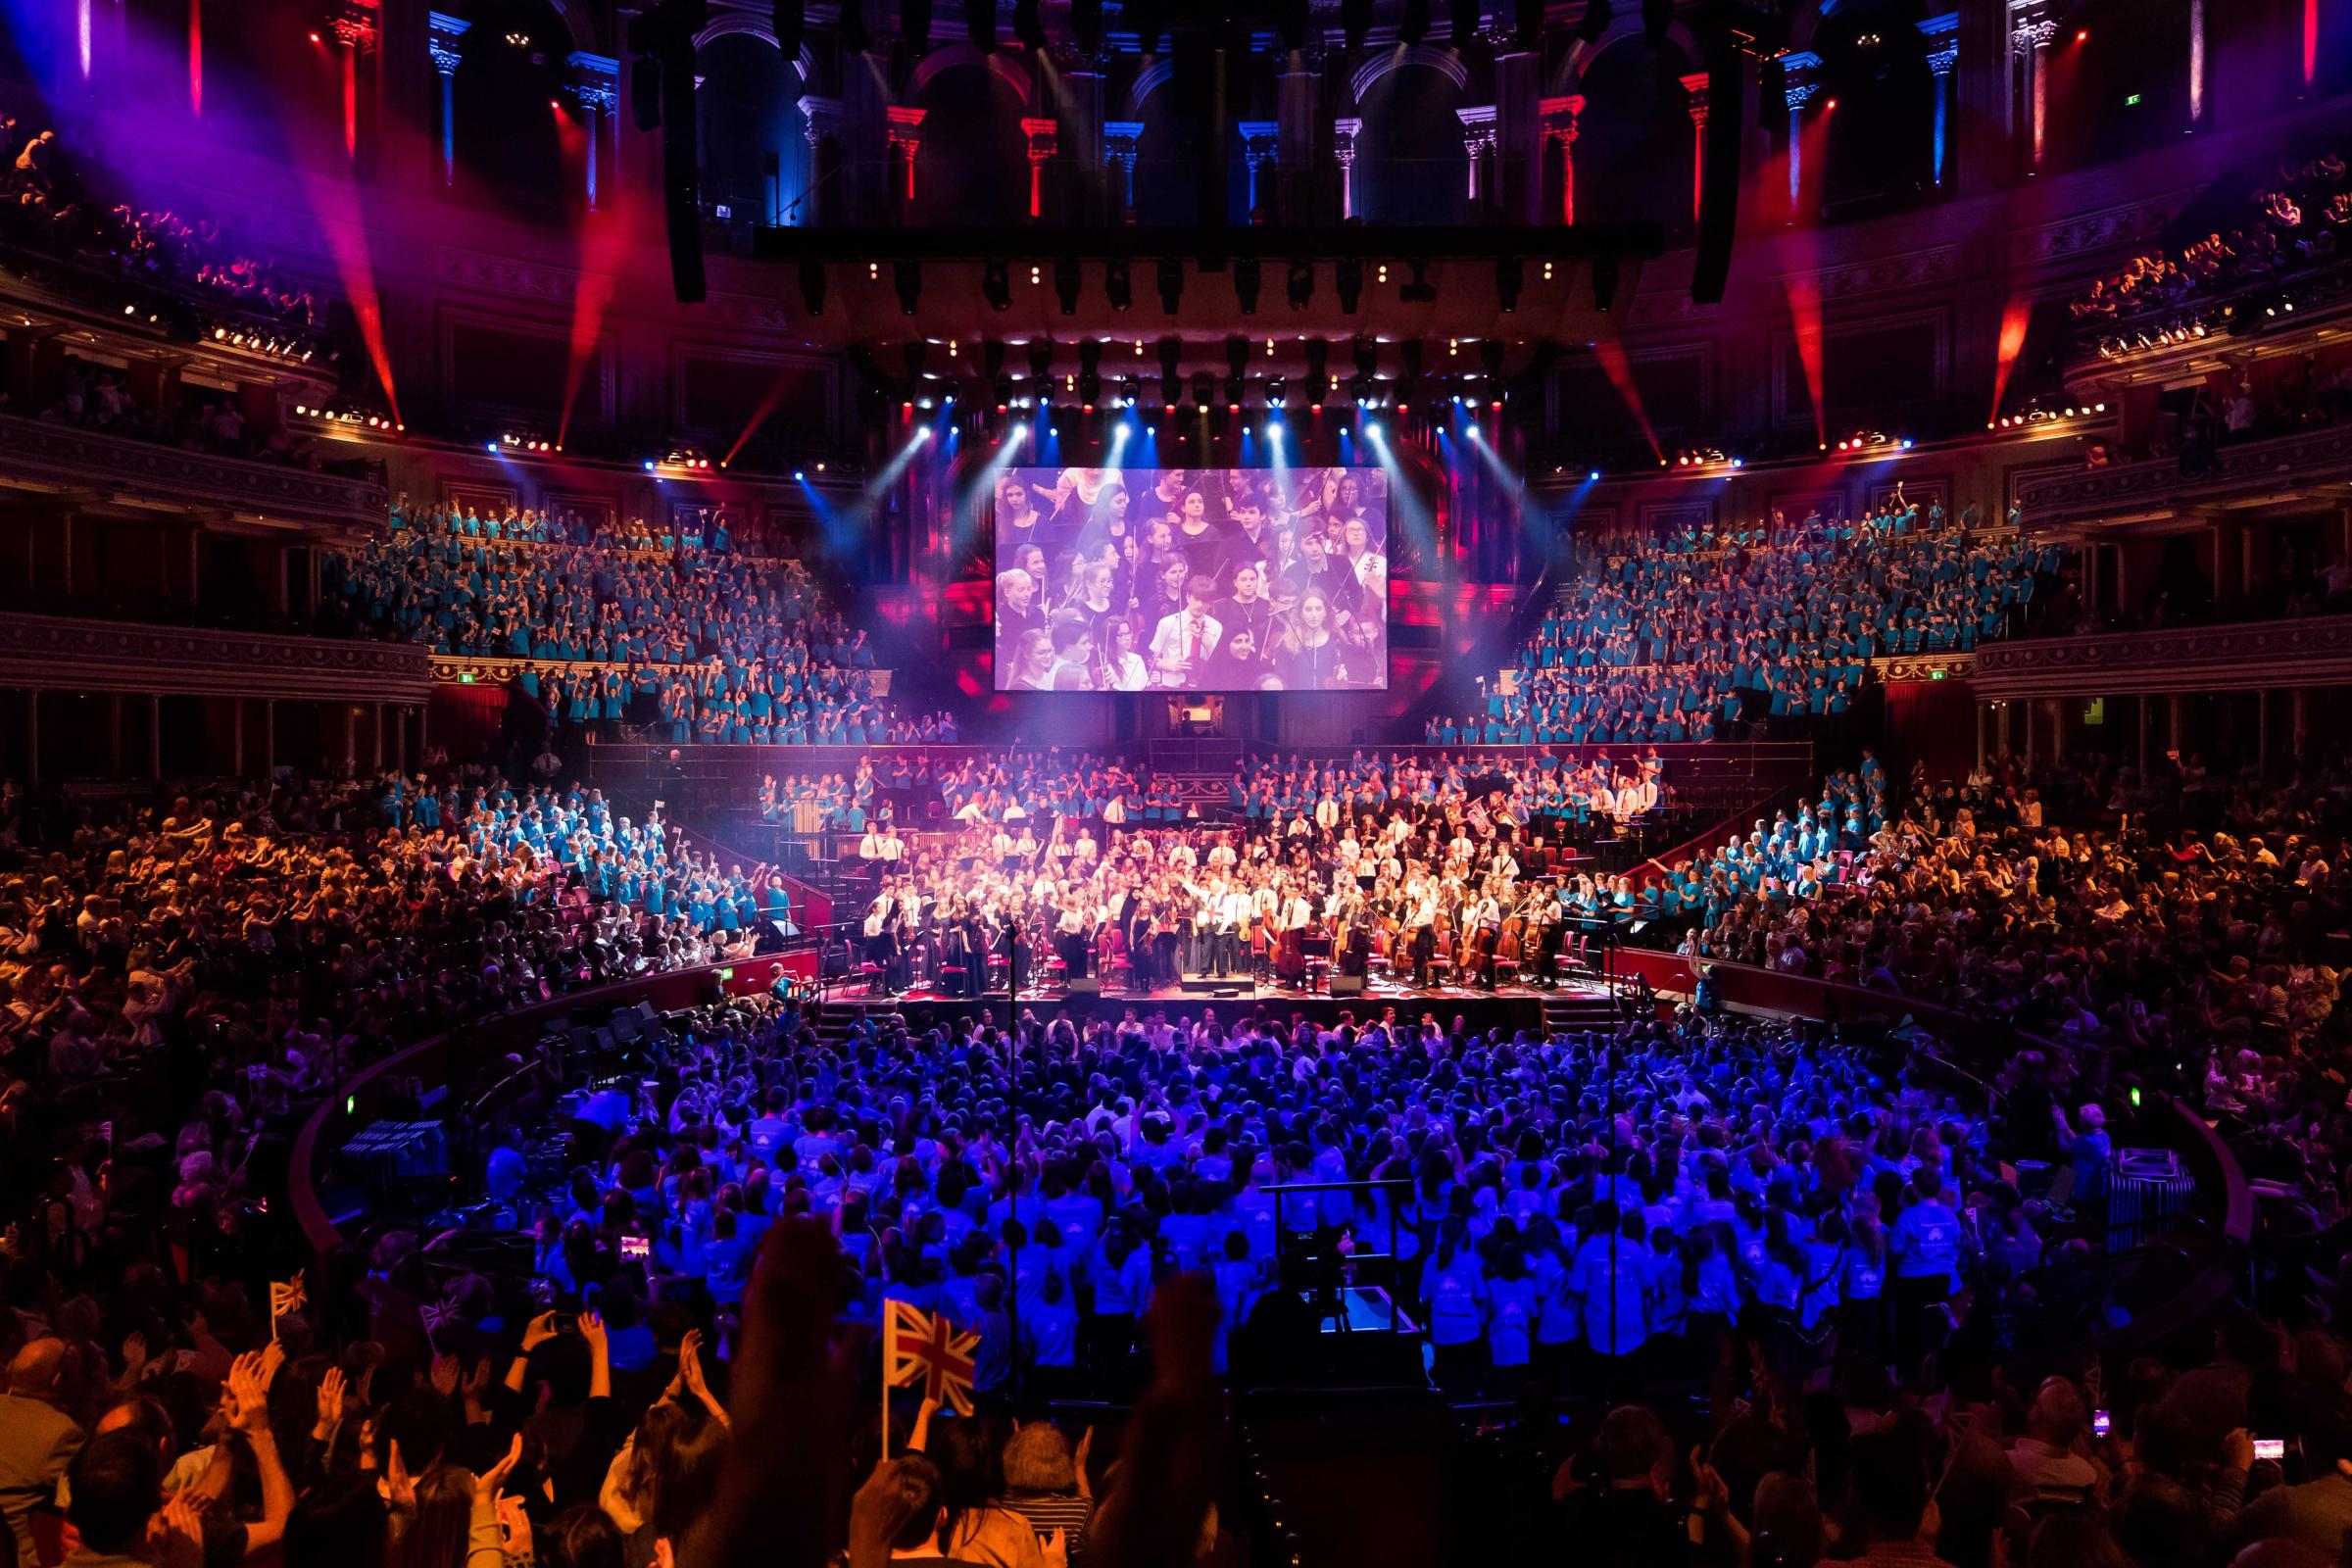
(2294, 224)
(2158, 912)
(47, 204)
(1699, 635)
(693, 644)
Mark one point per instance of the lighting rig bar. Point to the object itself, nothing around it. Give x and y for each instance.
(1210, 248)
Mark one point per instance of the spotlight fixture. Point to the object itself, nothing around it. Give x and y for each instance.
(1066, 284)
(908, 275)
(1527, 19)
(1086, 24)
(1657, 18)
(1171, 283)
(1594, 21)
(1027, 26)
(1604, 282)
(1420, 291)
(1507, 277)
(854, 40)
(1278, 393)
(979, 25)
(1413, 26)
(1145, 17)
(813, 285)
(1171, 382)
(1118, 286)
(1301, 284)
(995, 283)
(1247, 282)
(1204, 389)
(1465, 22)
(1349, 278)
(1318, 371)
(914, 26)
(791, 22)
(1356, 20)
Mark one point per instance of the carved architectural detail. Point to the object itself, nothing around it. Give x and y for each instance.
(2309, 461)
(55, 654)
(2078, 238)
(1885, 274)
(37, 450)
(2281, 653)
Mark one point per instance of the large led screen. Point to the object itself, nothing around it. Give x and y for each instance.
(1191, 579)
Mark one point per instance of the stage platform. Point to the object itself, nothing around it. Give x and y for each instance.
(1510, 1008)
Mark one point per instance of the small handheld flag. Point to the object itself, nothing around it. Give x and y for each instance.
(923, 1347)
(286, 1298)
(437, 1315)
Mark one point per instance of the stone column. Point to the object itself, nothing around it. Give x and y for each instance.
(443, 48)
(1559, 127)
(1343, 150)
(2030, 34)
(1119, 137)
(597, 93)
(1942, 35)
(355, 37)
(1478, 140)
(1041, 135)
(906, 132)
(1297, 85)
(821, 123)
(1801, 87)
(1695, 86)
(1262, 152)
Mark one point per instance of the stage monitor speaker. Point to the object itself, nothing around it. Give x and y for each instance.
(1086, 985)
(1347, 985)
(1719, 174)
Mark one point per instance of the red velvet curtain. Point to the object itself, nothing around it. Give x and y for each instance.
(464, 720)
(1932, 721)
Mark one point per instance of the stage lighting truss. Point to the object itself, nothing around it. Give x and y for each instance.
(2036, 415)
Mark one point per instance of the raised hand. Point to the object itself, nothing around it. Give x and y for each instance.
(333, 1391)
(445, 1375)
(487, 1484)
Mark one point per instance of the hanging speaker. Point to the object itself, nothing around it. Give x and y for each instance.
(914, 26)
(791, 21)
(1719, 176)
(980, 23)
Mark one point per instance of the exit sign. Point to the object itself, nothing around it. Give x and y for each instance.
(2131, 100)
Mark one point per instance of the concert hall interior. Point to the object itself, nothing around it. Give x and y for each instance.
(1116, 783)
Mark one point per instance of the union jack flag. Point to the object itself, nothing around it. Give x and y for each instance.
(436, 1316)
(288, 1297)
(925, 1349)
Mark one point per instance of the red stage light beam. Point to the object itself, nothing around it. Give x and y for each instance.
(1611, 355)
(196, 57)
(335, 204)
(1804, 315)
(2016, 316)
(604, 249)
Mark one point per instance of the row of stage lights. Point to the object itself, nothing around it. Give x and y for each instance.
(284, 348)
(998, 281)
(356, 419)
(2040, 416)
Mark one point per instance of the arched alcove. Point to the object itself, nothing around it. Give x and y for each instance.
(1410, 164)
(1879, 155)
(1634, 138)
(749, 114)
(974, 166)
(511, 67)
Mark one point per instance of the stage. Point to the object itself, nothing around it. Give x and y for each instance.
(1512, 1007)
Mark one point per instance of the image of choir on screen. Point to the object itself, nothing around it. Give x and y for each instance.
(1191, 579)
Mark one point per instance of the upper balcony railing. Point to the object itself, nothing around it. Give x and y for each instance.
(40, 456)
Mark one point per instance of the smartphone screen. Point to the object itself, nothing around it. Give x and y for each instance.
(2271, 1448)
(2101, 1423)
(636, 1247)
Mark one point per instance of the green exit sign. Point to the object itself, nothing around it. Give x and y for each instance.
(2132, 100)
(1937, 674)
